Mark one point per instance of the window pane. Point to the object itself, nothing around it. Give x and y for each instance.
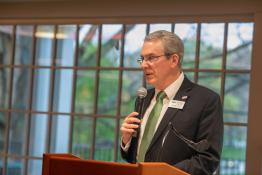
(6, 38)
(21, 88)
(239, 45)
(236, 97)
(85, 91)
(1, 165)
(211, 80)
(187, 32)
(88, 45)
(155, 27)
(44, 43)
(234, 151)
(60, 133)
(17, 133)
(24, 43)
(38, 135)
(35, 167)
(15, 166)
(132, 80)
(211, 45)
(111, 45)
(82, 136)
(119, 157)
(190, 76)
(41, 89)
(3, 124)
(107, 97)
(4, 87)
(105, 139)
(134, 38)
(63, 90)
(66, 45)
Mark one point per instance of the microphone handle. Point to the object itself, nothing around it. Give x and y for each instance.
(138, 108)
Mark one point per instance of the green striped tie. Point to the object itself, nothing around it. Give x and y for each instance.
(150, 126)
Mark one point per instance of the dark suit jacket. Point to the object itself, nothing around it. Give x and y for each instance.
(200, 119)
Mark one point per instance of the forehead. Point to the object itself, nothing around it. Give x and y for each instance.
(152, 47)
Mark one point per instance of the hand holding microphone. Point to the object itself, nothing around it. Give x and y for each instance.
(131, 124)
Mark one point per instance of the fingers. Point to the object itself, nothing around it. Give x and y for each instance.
(129, 126)
(130, 123)
(131, 118)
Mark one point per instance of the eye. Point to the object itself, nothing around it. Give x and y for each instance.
(150, 58)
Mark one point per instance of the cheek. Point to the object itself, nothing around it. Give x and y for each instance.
(161, 71)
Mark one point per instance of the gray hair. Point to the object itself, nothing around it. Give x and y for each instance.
(171, 42)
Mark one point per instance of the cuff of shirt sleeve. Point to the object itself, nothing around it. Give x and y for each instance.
(126, 146)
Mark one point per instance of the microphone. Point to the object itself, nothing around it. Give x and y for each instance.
(141, 94)
(199, 147)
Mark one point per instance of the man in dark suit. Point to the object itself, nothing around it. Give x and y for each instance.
(182, 122)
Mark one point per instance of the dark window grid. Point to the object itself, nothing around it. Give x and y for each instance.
(147, 32)
(24, 157)
(73, 91)
(51, 93)
(173, 26)
(6, 143)
(197, 56)
(224, 60)
(118, 116)
(55, 114)
(218, 71)
(70, 114)
(69, 67)
(98, 57)
(119, 93)
(235, 124)
(147, 28)
(35, 157)
(27, 141)
(121, 69)
(62, 113)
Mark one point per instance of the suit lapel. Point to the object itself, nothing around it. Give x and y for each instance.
(171, 112)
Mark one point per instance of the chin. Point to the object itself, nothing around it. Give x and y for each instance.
(151, 82)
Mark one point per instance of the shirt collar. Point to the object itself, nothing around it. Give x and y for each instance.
(172, 89)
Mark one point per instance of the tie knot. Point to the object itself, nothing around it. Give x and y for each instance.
(160, 96)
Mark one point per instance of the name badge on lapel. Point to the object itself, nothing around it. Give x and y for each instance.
(176, 104)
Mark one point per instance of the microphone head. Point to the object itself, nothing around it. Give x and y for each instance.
(141, 92)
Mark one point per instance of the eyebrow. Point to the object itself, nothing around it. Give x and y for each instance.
(147, 55)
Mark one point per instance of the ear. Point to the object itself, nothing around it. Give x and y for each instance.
(174, 59)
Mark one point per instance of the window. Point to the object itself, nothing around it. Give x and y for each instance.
(67, 88)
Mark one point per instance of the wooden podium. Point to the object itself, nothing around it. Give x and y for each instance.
(67, 164)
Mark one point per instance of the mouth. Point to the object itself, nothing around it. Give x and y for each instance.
(148, 75)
